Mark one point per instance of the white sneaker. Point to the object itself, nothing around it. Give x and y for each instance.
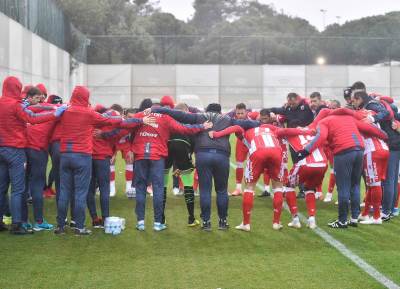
(363, 218)
(175, 191)
(328, 198)
(112, 189)
(295, 223)
(311, 223)
(242, 227)
(277, 226)
(376, 221)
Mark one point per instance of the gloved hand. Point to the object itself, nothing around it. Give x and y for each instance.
(302, 154)
(60, 110)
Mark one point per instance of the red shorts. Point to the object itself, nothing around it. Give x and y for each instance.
(264, 160)
(375, 165)
(308, 175)
(241, 151)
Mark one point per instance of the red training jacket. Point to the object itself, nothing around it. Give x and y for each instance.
(78, 121)
(14, 117)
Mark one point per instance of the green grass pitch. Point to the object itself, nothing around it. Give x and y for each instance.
(183, 257)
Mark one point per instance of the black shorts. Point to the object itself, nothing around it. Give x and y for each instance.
(179, 156)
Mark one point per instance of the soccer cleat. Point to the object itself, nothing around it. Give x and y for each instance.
(363, 218)
(47, 193)
(18, 229)
(243, 227)
(372, 221)
(265, 194)
(337, 225)
(353, 223)
(300, 195)
(311, 223)
(319, 196)
(112, 189)
(29, 200)
(131, 193)
(43, 226)
(159, 227)
(328, 198)
(295, 223)
(140, 226)
(223, 225)
(59, 231)
(98, 223)
(28, 227)
(206, 226)
(193, 223)
(277, 226)
(236, 192)
(72, 224)
(82, 232)
(385, 218)
(7, 220)
(376, 221)
(395, 212)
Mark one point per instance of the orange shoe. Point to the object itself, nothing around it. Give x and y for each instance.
(47, 194)
(237, 192)
(52, 192)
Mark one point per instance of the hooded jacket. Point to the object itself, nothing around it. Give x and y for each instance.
(38, 136)
(77, 123)
(14, 116)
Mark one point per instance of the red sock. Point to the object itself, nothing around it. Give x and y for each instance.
(128, 172)
(180, 183)
(332, 182)
(310, 203)
(376, 200)
(112, 174)
(195, 181)
(239, 175)
(277, 203)
(292, 202)
(247, 205)
(367, 202)
(266, 179)
(396, 204)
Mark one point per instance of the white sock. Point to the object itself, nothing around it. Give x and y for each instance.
(266, 188)
(239, 186)
(128, 185)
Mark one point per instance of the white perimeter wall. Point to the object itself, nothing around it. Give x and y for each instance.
(256, 85)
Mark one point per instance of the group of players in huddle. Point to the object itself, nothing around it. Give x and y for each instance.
(359, 141)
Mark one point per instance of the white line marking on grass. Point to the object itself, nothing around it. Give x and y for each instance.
(358, 261)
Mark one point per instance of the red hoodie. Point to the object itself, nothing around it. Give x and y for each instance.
(150, 142)
(78, 122)
(342, 132)
(38, 135)
(103, 148)
(13, 116)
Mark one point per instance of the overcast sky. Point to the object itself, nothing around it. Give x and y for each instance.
(307, 9)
